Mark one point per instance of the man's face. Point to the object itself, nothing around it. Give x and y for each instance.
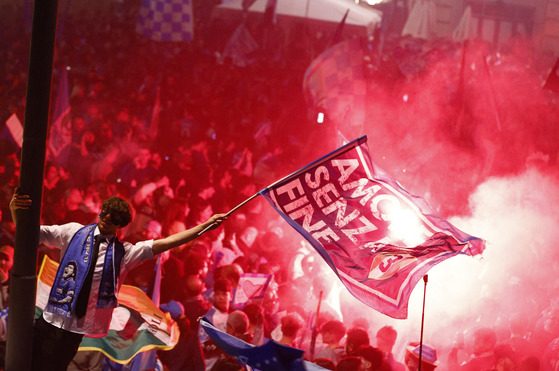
(142, 159)
(6, 262)
(327, 337)
(221, 300)
(106, 226)
(203, 272)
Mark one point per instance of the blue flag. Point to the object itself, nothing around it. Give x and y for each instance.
(271, 356)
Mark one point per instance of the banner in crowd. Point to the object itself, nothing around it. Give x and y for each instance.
(250, 286)
(240, 47)
(335, 83)
(379, 239)
(16, 129)
(271, 356)
(166, 20)
(138, 324)
(60, 136)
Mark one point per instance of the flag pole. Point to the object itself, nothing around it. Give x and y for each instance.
(230, 212)
(492, 96)
(425, 279)
(354, 143)
(347, 147)
(314, 333)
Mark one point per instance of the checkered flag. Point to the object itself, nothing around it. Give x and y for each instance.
(166, 20)
(335, 82)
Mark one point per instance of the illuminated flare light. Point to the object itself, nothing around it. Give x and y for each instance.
(405, 226)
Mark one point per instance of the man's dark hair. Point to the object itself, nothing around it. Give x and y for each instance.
(326, 363)
(336, 328)
(373, 355)
(291, 324)
(119, 209)
(254, 312)
(193, 263)
(227, 363)
(349, 363)
(223, 285)
(357, 336)
(388, 333)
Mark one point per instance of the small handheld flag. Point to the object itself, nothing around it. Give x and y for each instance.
(250, 286)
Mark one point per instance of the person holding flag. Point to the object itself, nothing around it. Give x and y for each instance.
(101, 263)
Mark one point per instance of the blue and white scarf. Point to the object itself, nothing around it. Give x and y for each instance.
(65, 290)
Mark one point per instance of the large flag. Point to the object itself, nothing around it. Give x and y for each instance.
(137, 325)
(166, 20)
(379, 239)
(335, 82)
(271, 356)
(250, 286)
(60, 136)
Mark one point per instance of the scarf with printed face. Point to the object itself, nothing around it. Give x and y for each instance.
(73, 270)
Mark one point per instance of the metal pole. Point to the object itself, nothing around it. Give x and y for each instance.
(23, 280)
(314, 333)
(425, 279)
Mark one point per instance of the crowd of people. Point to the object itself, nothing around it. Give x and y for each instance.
(221, 133)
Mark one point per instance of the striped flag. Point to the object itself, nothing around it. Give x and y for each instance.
(166, 20)
(138, 324)
(379, 239)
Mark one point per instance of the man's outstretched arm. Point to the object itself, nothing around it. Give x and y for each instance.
(188, 235)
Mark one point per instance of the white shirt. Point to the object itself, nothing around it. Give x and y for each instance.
(97, 320)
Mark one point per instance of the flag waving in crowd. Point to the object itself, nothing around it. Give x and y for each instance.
(271, 356)
(166, 20)
(138, 324)
(379, 239)
(251, 286)
(335, 82)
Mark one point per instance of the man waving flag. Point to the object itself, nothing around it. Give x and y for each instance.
(379, 239)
